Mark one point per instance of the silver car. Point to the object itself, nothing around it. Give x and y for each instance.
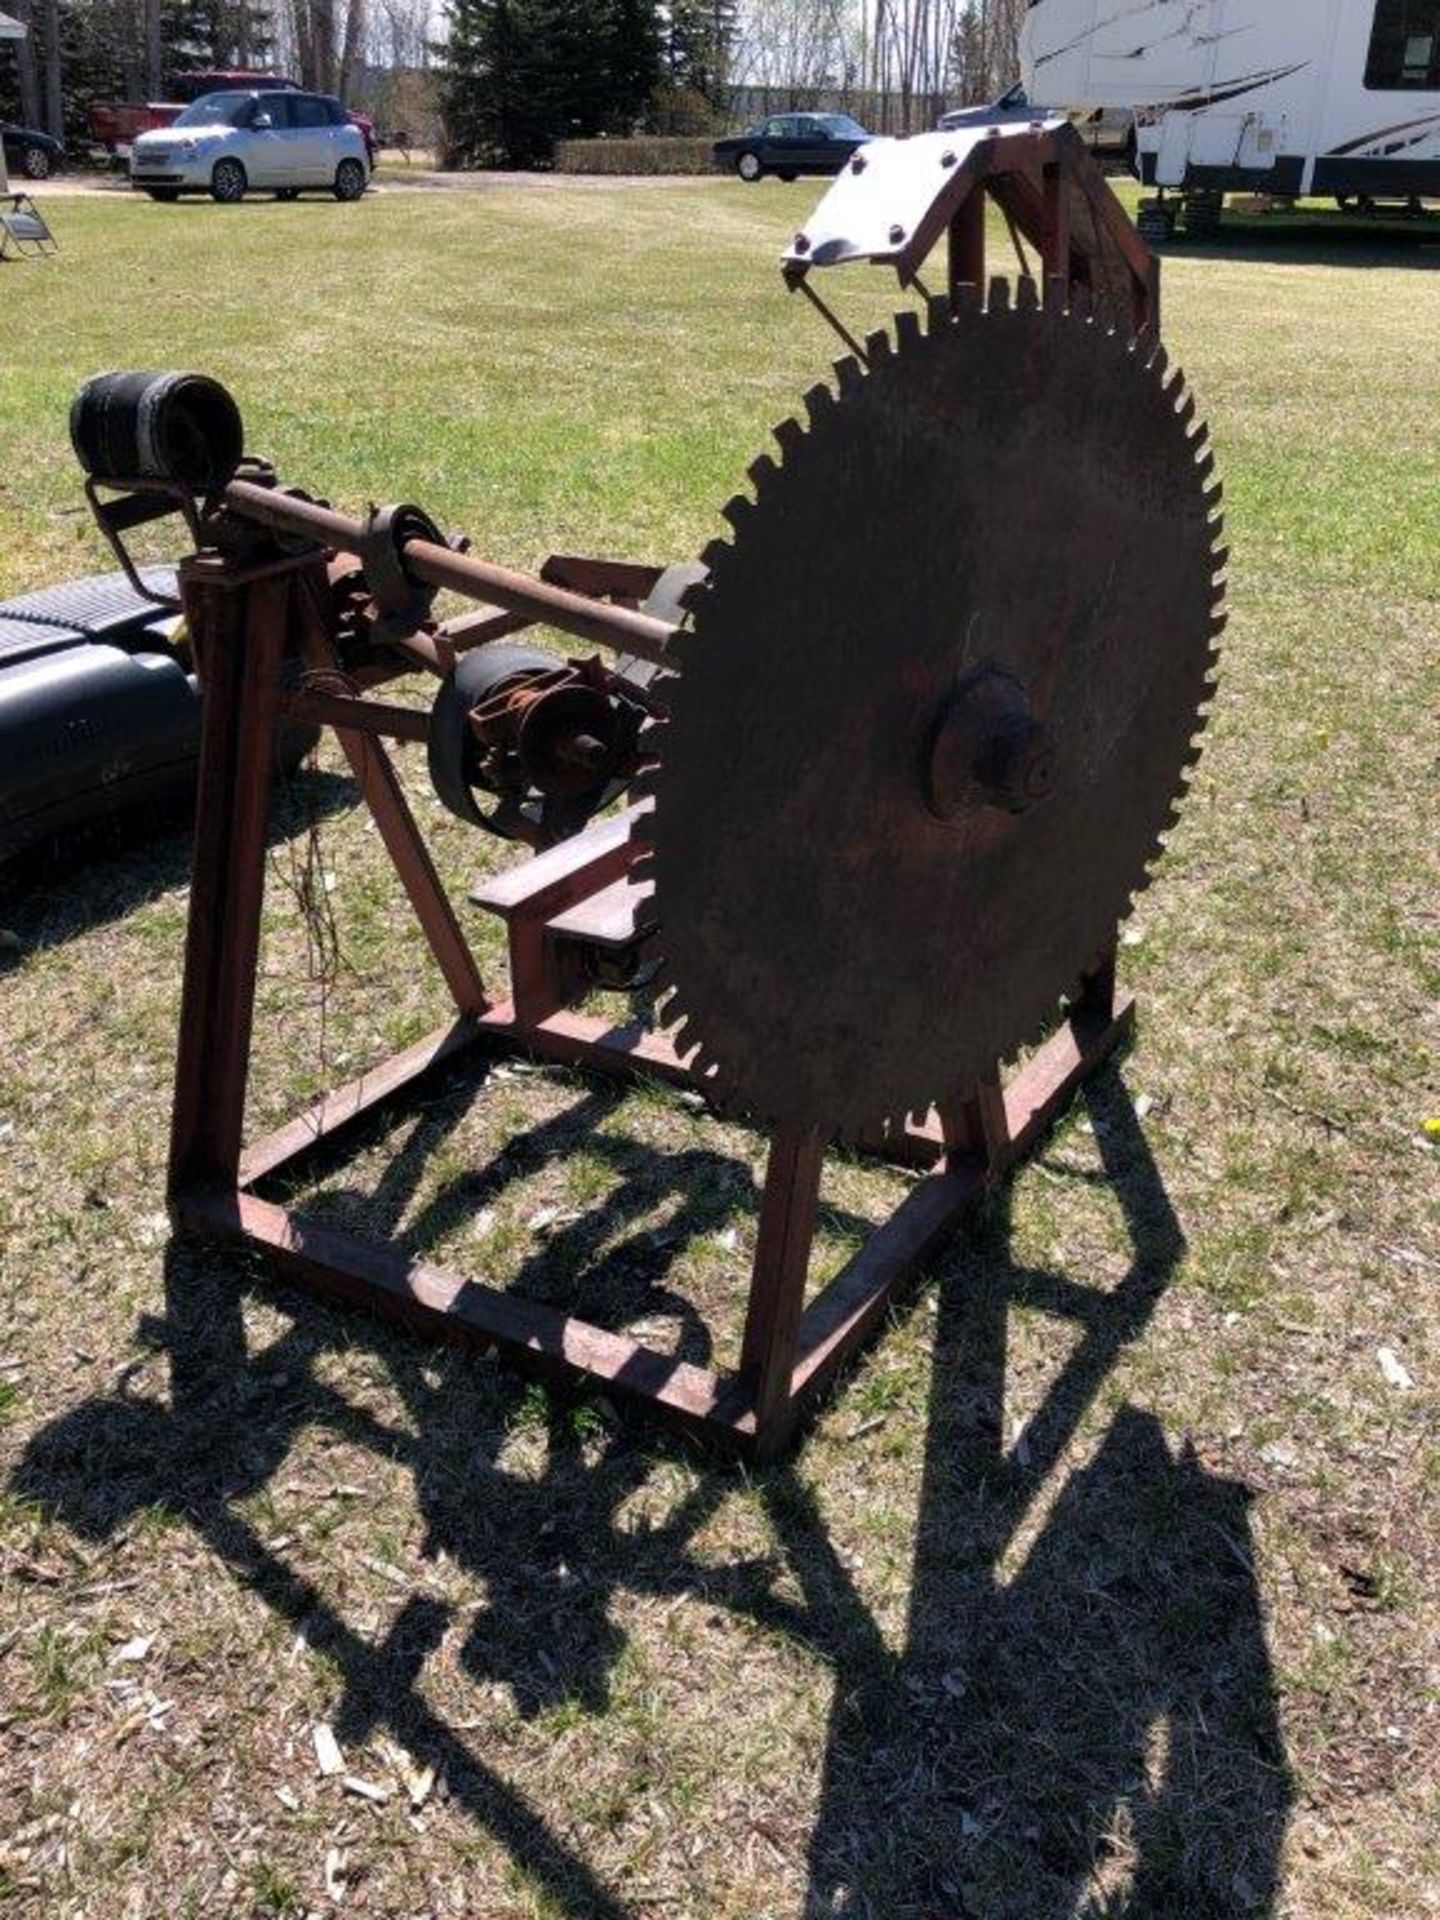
(279, 142)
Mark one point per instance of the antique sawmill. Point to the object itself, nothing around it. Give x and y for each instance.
(867, 790)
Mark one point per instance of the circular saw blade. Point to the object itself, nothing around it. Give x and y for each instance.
(1014, 492)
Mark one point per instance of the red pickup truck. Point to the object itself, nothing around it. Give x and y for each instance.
(115, 123)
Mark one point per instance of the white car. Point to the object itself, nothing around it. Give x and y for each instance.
(279, 142)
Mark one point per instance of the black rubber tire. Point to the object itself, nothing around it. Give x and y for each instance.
(228, 183)
(748, 166)
(287, 193)
(349, 180)
(163, 193)
(36, 163)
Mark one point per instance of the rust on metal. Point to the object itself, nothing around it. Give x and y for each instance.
(896, 754)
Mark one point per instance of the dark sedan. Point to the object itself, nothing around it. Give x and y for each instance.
(29, 151)
(791, 144)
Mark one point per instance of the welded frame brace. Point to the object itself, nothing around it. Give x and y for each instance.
(252, 622)
(897, 201)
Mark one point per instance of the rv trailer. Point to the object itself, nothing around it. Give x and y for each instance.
(1284, 97)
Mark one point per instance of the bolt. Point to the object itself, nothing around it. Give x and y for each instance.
(947, 159)
(801, 243)
(897, 234)
(582, 750)
(857, 165)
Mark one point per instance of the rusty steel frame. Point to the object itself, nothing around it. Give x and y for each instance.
(248, 622)
(1033, 177)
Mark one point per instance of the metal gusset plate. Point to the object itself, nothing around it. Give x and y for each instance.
(933, 711)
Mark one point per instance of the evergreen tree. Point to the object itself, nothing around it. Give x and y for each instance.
(518, 75)
(698, 37)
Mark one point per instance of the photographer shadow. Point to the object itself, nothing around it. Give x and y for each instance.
(1081, 1723)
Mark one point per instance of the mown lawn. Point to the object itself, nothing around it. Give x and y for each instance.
(1107, 1585)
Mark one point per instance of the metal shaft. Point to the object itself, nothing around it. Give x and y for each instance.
(621, 629)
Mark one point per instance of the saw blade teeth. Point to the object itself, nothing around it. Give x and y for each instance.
(1214, 497)
(1027, 294)
(819, 402)
(1217, 526)
(1056, 296)
(907, 327)
(1081, 304)
(693, 598)
(1219, 620)
(942, 308)
(1219, 560)
(642, 789)
(788, 436)
(849, 374)
(1185, 411)
(761, 471)
(1204, 461)
(715, 555)
(878, 347)
(738, 510)
(998, 298)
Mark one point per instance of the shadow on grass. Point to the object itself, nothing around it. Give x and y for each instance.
(1081, 1724)
(102, 872)
(1318, 240)
(1089, 1733)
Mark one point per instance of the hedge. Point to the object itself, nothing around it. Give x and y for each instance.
(645, 153)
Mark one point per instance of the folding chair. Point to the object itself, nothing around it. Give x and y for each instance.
(23, 232)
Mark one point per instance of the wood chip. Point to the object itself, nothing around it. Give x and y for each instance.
(366, 1789)
(1394, 1369)
(133, 1650)
(328, 1756)
(288, 1799)
(419, 1784)
(335, 1874)
(395, 1575)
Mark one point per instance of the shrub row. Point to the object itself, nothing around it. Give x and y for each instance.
(645, 153)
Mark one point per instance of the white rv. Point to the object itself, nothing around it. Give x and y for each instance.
(1287, 97)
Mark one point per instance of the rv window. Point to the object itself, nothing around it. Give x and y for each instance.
(1405, 46)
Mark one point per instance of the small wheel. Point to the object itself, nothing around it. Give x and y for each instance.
(228, 182)
(36, 163)
(287, 193)
(349, 180)
(748, 166)
(163, 193)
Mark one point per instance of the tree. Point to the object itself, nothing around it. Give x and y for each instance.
(697, 37)
(518, 75)
(985, 49)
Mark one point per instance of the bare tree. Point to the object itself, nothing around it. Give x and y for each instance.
(985, 48)
(54, 99)
(27, 72)
(796, 46)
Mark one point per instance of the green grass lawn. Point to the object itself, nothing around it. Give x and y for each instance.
(1107, 1584)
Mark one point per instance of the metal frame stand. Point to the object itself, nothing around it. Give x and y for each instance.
(248, 622)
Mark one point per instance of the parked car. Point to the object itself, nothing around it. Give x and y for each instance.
(1109, 132)
(115, 125)
(225, 144)
(30, 152)
(791, 144)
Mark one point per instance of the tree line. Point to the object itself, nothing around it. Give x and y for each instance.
(515, 76)
(79, 51)
(518, 75)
